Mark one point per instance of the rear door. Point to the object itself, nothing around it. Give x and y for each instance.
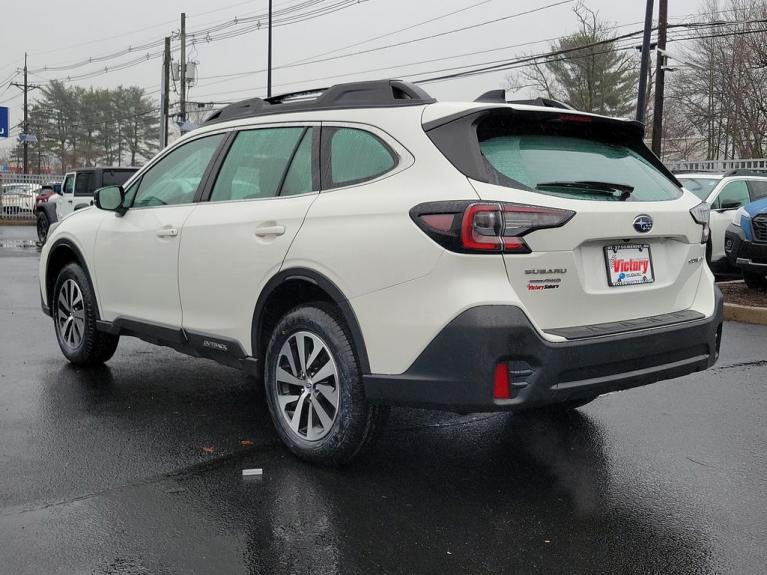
(237, 238)
(631, 250)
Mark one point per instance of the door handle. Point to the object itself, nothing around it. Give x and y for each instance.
(167, 233)
(270, 231)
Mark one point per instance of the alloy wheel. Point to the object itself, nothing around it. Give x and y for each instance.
(307, 386)
(70, 314)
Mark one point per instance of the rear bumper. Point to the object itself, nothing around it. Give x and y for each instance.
(743, 253)
(456, 371)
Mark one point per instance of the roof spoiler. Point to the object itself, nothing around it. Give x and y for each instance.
(499, 97)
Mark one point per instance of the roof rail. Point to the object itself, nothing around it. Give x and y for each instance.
(746, 172)
(499, 97)
(370, 94)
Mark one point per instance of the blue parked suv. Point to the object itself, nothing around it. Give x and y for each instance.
(745, 243)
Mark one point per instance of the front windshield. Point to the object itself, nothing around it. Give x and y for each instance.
(564, 166)
(701, 187)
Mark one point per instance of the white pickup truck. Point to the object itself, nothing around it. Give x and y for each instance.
(77, 192)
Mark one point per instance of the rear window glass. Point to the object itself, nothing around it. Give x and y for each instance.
(701, 187)
(573, 167)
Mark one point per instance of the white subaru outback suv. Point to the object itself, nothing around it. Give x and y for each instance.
(371, 246)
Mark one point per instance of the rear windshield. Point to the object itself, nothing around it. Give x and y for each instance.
(571, 166)
(701, 187)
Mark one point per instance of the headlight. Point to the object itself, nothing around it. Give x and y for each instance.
(739, 215)
(702, 215)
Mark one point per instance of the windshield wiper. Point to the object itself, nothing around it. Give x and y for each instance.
(592, 187)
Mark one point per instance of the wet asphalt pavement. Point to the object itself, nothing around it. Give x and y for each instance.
(135, 468)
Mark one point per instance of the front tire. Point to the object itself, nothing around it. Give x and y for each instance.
(314, 387)
(74, 316)
(755, 281)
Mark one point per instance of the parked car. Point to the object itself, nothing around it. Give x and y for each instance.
(77, 193)
(45, 193)
(17, 198)
(372, 246)
(725, 193)
(746, 243)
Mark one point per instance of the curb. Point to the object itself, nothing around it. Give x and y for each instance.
(745, 313)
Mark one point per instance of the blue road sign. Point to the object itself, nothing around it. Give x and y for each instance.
(3, 122)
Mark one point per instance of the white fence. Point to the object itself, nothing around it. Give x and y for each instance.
(718, 165)
(18, 194)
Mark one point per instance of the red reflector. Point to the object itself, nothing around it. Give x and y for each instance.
(501, 389)
(441, 222)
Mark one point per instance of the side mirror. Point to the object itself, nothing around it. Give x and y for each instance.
(110, 198)
(730, 206)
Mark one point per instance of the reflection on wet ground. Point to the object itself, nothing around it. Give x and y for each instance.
(135, 468)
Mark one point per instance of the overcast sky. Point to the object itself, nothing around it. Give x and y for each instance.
(69, 32)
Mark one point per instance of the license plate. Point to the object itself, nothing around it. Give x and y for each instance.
(629, 264)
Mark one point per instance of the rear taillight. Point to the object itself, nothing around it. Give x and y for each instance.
(485, 227)
(702, 215)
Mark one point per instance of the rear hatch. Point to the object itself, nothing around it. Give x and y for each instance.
(631, 250)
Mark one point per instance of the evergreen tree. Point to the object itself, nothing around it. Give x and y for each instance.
(592, 78)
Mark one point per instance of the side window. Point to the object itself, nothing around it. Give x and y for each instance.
(355, 156)
(256, 163)
(69, 186)
(758, 189)
(84, 184)
(733, 193)
(175, 178)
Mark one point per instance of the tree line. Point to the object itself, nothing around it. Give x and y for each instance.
(78, 127)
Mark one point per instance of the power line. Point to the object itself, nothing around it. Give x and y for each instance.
(393, 32)
(203, 33)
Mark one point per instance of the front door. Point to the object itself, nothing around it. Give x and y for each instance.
(66, 203)
(137, 254)
(731, 197)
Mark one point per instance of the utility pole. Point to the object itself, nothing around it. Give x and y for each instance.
(642, 97)
(182, 103)
(660, 79)
(269, 57)
(165, 95)
(26, 118)
(25, 125)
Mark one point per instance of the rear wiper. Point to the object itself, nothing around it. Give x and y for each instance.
(591, 187)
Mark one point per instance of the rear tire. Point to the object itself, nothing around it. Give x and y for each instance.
(43, 225)
(755, 281)
(74, 317)
(314, 387)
